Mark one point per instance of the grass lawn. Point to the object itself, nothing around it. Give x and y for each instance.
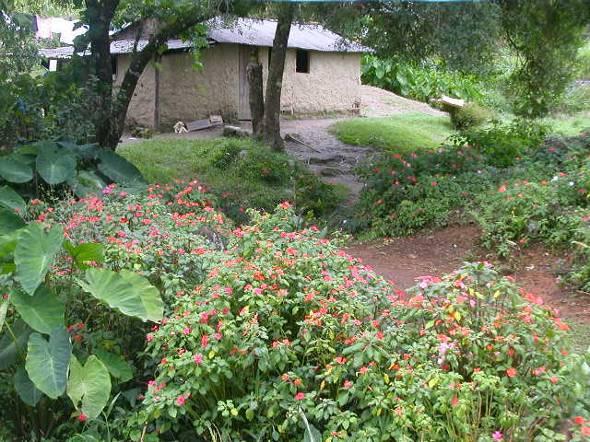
(399, 133)
(569, 125)
(239, 172)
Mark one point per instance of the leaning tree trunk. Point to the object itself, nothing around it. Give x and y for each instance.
(255, 98)
(274, 84)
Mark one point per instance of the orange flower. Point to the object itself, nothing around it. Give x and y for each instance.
(511, 372)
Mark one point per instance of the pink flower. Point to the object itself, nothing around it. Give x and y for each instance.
(497, 435)
(198, 358)
(180, 400)
(300, 396)
(347, 384)
(186, 331)
(511, 372)
(82, 417)
(204, 341)
(149, 337)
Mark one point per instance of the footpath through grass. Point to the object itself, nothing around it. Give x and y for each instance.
(399, 133)
(241, 173)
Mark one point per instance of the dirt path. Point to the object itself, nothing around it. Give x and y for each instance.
(402, 260)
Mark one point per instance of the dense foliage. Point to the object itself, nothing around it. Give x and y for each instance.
(92, 257)
(240, 173)
(330, 351)
(518, 190)
(421, 81)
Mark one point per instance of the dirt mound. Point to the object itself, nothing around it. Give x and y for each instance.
(376, 102)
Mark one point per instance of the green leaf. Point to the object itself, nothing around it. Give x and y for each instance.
(84, 253)
(34, 253)
(3, 309)
(83, 151)
(25, 388)
(56, 165)
(86, 183)
(43, 311)
(119, 169)
(10, 199)
(85, 437)
(9, 221)
(47, 362)
(89, 386)
(15, 170)
(126, 291)
(117, 366)
(9, 348)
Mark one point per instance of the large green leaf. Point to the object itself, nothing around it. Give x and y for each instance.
(10, 199)
(126, 291)
(34, 253)
(3, 309)
(15, 170)
(89, 386)
(25, 388)
(117, 366)
(119, 169)
(83, 151)
(56, 165)
(43, 311)
(47, 362)
(9, 347)
(84, 253)
(86, 183)
(9, 221)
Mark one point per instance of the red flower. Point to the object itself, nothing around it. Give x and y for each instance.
(511, 372)
(82, 417)
(300, 396)
(502, 189)
(579, 420)
(455, 401)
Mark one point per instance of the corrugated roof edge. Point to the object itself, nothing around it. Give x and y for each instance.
(244, 31)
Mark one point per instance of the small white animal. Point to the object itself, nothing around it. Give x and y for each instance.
(180, 128)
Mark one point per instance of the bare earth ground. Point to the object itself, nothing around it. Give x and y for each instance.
(436, 253)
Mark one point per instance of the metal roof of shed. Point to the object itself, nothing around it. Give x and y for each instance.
(244, 31)
(254, 32)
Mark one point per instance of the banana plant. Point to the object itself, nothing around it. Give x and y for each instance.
(34, 317)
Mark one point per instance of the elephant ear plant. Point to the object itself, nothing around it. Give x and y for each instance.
(83, 169)
(35, 345)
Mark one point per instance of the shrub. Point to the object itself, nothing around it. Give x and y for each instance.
(45, 167)
(331, 352)
(84, 273)
(504, 143)
(470, 115)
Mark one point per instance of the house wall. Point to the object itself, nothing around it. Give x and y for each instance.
(141, 110)
(332, 84)
(188, 94)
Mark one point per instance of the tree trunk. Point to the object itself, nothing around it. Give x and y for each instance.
(272, 113)
(100, 15)
(255, 98)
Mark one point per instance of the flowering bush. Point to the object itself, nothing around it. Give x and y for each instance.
(289, 337)
(66, 273)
